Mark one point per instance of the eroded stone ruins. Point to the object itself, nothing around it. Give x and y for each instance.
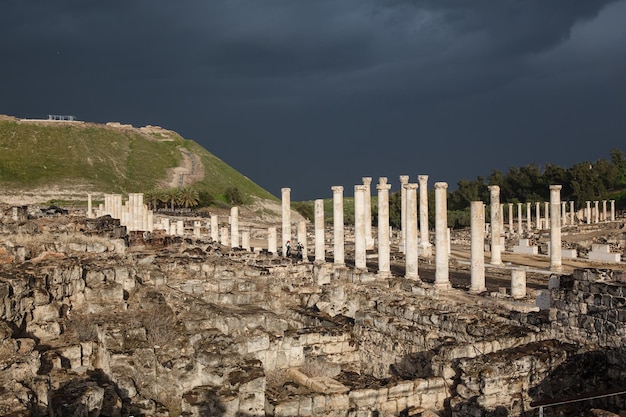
(118, 311)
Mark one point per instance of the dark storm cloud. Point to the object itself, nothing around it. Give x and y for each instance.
(358, 87)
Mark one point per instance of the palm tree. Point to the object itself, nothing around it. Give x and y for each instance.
(153, 197)
(170, 196)
(188, 197)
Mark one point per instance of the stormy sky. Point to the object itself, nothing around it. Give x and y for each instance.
(313, 93)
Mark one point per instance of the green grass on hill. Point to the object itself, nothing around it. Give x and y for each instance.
(105, 159)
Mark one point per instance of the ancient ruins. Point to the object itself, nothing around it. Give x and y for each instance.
(116, 310)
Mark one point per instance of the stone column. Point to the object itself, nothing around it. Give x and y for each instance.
(510, 218)
(518, 283)
(411, 257)
(424, 235)
(596, 212)
(245, 239)
(302, 240)
(477, 210)
(555, 228)
(180, 228)
(197, 226)
(404, 179)
(338, 247)
(588, 212)
(528, 218)
(320, 250)
(442, 278)
(563, 213)
(520, 227)
(572, 214)
(215, 234)
(369, 239)
(234, 227)
(272, 245)
(384, 262)
(547, 214)
(225, 239)
(538, 211)
(359, 227)
(496, 225)
(286, 216)
(612, 210)
(89, 207)
(604, 217)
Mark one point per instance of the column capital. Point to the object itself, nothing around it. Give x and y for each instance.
(422, 178)
(410, 186)
(555, 187)
(494, 188)
(360, 187)
(441, 185)
(382, 187)
(337, 188)
(367, 180)
(285, 190)
(382, 180)
(404, 179)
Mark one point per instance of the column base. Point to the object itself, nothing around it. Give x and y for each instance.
(556, 268)
(384, 275)
(443, 285)
(413, 277)
(477, 290)
(496, 263)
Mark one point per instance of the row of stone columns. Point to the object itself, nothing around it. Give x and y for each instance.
(134, 214)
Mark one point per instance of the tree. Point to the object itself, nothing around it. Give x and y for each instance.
(187, 197)
(233, 196)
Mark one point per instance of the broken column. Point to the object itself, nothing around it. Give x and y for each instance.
(286, 217)
(563, 213)
(404, 179)
(215, 233)
(518, 283)
(596, 212)
(320, 250)
(224, 238)
(272, 245)
(411, 255)
(511, 218)
(588, 212)
(528, 218)
(302, 240)
(547, 214)
(424, 236)
(89, 207)
(572, 219)
(245, 239)
(369, 239)
(604, 217)
(442, 278)
(477, 213)
(359, 227)
(234, 227)
(384, 264)
(538, 210)
(520, 228)
(496, 225)
(338, 236)
(555, 228)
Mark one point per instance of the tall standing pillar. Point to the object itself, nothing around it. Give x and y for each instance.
(477, 213)
(320, 250)
(596, 212)
(520, 228)
(528, 217)
(384, 263)
(547, 214)
(538, 211)
(338, 236)
(604, 217)
(588, 212)
(234, 227)
(442, 278)
(563, 213)
(424, 235)
(555, 228)
(89, 207)
(572, 214)
(496, 225)
(612, 210)
(286, 216)
(510, 217)
(369, 239)
(411, 255)
(359, 227)
(302, 240)
(404, 179)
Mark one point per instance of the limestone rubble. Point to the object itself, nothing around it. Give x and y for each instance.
(99, 322)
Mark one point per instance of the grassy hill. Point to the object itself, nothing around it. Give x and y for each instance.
(89, 157)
